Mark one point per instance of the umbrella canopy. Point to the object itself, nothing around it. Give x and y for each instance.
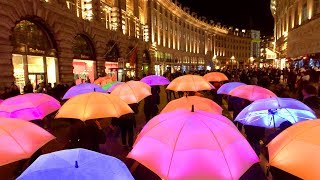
(111, 88)
(226, 88)
(20, 139)
(28, 107)
(132, 92)
(154, 80)
(296, 150)
(107, 86)
(215, 77)
(106, 81)
(82, 89)
(190, 83)
(199, 103)
(272, 112)
(93, 105)
(77, 164)
(252, 92)
(101, 79)
(193, 145)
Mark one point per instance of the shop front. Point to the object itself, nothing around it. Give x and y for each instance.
(112, 63)
(34, 56)
(84, 64)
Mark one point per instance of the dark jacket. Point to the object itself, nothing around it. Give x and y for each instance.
(86, 135)
(314, 103)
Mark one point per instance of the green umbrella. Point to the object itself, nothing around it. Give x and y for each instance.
(107, 86)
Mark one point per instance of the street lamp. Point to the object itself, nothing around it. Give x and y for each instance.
(232, 59)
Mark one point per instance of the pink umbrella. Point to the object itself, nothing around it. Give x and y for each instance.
(20, 139)
(252, 92)
(193, 145)
(199, 103)
(29, 106)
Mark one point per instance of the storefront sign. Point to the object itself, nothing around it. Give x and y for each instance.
(84, 56)
(36, 51)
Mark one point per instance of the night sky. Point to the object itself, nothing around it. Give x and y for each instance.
(247, 14)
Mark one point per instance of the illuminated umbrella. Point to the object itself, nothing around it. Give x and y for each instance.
(252, 92)
(93, 105)
(193, 145)
(296, 150)
(199, 103)
(154, 80)
(226, 88)
(272, 112)
(106, 81)
(77, 164)
(111, 87)
(114, 86)
(20, 139)
(101, 79)
(132, 92)
(107, 86)
(190, 83)
(215, 77)
(82, 89)
(31, 106)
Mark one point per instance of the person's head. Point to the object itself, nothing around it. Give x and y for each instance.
(309, 90)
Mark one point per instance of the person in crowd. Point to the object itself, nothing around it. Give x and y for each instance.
(311, 99)
(14, 90)
(86, 135)
(236, 105)
(151, 104)
(28, 88)
(127, 123)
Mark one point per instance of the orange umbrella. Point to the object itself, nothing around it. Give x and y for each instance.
(93, 105)
(19, 139)
(296, 150)
(215, 77)
(132, 92)
(199, 103)
(190, 83)
(102, 79)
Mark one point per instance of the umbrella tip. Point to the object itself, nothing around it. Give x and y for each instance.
(76, 165)
(192, 108)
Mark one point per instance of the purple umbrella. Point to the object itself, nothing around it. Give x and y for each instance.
(82, 89)
(226, 88)
(29, 106)
(154, 80)
(111, 88)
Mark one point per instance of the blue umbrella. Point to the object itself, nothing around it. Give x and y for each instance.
(270, 113)
(82, 89)
(79, 164)
(226, 88)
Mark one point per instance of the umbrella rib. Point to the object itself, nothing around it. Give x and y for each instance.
(174, 147)
(219, 146)
(85, 108)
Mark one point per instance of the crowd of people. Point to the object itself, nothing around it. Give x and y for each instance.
(302, 84)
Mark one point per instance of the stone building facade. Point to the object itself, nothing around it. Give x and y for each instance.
(297, 28)
(66, 41)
